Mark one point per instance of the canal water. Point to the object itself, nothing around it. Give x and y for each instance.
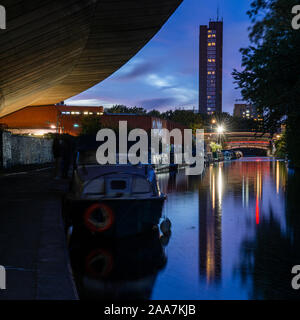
(235, 235)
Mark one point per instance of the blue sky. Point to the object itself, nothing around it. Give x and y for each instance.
(164, 74)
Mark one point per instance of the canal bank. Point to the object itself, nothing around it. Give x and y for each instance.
(32, 240)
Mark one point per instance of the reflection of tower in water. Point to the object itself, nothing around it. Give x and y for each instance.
(210, 226)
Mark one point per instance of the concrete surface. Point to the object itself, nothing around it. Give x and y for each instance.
(32, 240)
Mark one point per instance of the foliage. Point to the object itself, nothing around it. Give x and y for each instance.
(90, 125)
(215, 147)
(270, 78)
(192, 120)
(185, 117)
(124, 109)
(154, 113)
(281, 147)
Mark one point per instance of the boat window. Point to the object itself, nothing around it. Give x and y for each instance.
(118, 184)
(95, 186)
(140, 185)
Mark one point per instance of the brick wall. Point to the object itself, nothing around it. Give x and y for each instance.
(21, 150)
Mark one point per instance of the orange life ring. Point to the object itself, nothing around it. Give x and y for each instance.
(94, 225)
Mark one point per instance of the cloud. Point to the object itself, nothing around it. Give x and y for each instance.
(137, 69)
(184, 95)
(157, 103)
(164, 74)
(160, 82)
(90, 102)
(174, 93)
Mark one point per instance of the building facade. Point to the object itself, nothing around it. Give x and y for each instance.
(40, 120)
(140, 122)
(246, 111)
(211, 67)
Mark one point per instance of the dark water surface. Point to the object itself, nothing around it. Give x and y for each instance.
(235, 235)
(235, 232)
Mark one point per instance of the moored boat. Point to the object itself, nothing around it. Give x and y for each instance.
(112, 200)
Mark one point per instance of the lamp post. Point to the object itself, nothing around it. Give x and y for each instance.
(220, 131)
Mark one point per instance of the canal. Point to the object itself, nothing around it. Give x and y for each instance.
(235, 235)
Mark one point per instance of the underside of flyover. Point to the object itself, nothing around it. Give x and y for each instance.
(52, 50)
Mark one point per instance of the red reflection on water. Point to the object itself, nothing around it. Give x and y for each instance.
(257, 211)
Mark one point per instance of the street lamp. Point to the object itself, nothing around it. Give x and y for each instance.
(220, 129)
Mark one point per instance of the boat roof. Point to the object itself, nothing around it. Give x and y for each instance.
(91, 171)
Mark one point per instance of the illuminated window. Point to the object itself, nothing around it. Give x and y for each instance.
(213, 44)
(85, 113)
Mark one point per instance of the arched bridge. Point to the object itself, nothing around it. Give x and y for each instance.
(244, 141)
(237, 140)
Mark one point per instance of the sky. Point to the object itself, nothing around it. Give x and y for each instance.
(164, 74)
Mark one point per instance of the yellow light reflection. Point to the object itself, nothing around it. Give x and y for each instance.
(210, 259)
(213, 192)
(220, 186)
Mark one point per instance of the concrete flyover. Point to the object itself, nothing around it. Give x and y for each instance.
(52, 50)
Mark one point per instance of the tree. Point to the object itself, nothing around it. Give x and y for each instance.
(280, 145)
(124, 109)
(270, 78)
(185, 117)
(154, 113)
(90, 125)
(215, 147)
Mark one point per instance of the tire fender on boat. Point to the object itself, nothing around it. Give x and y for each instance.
(95, 226)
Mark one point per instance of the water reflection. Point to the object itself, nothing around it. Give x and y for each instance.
(267, 258)
(210, 226)
(234, 232)
(235, 235)
(120, 269)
